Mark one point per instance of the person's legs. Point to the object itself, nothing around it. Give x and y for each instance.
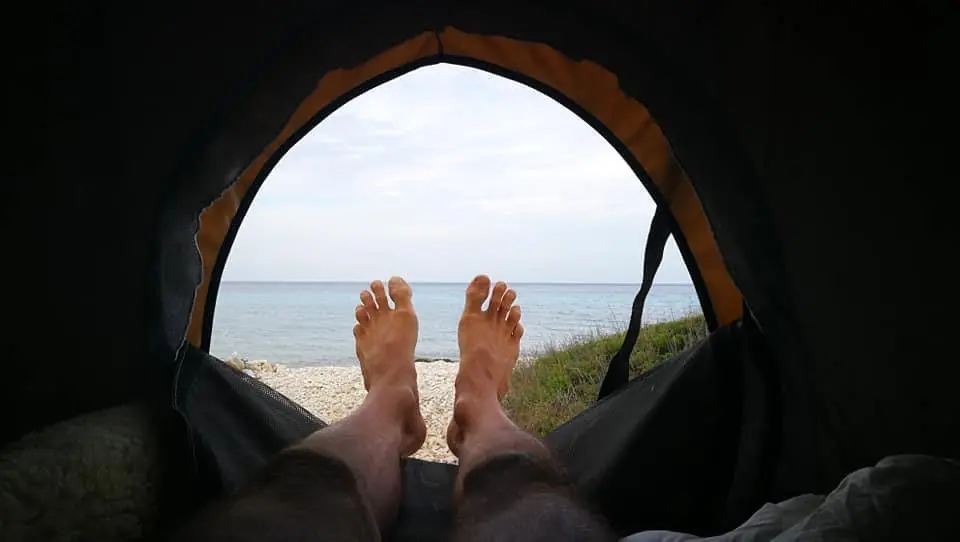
(342, 482)
(508, 486)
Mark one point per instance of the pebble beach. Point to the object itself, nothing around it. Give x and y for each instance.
(331, 393)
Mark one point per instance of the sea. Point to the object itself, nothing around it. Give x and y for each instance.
(310, 323)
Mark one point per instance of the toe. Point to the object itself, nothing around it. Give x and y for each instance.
(358, 331)
(477, 292)
(518, 332)
(498, 290)
(513, 317)
(380, 294)
(401, 293)
(508, 299)
(363, 317)
(366, 298)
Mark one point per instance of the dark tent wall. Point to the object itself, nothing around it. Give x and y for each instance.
(816, 138)
(834, 113)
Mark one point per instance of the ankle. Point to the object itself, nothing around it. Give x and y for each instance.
(474, 412)
(392, 401)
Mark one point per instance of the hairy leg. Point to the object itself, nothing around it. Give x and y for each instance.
(508, 486)
(342, 482)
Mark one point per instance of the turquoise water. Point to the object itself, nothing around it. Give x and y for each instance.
(311, 323)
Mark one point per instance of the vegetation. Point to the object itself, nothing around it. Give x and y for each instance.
(558, 384)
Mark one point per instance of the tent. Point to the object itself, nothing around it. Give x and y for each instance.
(802, 149)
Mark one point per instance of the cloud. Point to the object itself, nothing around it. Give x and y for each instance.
(444, 173)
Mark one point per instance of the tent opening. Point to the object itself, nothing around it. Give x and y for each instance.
(578, 86)
(438, 175)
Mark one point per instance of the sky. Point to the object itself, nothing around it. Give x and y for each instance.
(444, 173)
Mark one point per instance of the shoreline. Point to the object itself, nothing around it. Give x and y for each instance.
(262, 365)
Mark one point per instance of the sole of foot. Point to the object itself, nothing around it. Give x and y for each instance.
(386, 339)
(489, 340)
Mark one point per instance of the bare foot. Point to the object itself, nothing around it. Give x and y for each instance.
(386, 340)
(489, 347)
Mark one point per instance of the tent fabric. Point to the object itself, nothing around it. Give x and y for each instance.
(785, 163)
(635, 454)
(618, 368)
(816, 139)
(586, 85)
(236, 424)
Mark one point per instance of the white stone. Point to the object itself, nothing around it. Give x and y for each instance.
(339, 390)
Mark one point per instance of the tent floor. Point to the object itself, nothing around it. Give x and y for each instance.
(681, 426)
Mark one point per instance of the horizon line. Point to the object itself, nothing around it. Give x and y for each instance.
(448, 282)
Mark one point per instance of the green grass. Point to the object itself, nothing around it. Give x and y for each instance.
(561, 382)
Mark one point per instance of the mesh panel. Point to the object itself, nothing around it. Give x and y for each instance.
(236, 422)
(637, 453)
(283, 407)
